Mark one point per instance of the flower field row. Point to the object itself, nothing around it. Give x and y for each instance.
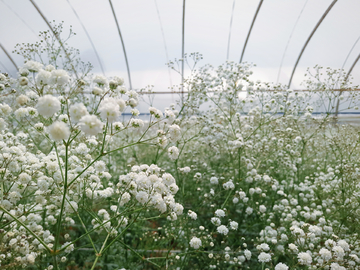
(217, 181)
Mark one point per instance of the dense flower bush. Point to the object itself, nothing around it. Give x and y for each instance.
(219, 181)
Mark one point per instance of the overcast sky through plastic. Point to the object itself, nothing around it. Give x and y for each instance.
(150, 26)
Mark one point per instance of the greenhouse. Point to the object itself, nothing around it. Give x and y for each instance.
(157, 134)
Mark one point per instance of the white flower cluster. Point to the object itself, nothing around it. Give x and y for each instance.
(173, 152)
(195, 243)
(111, 108)
(261, 165)
(48, 105)
(49, 76)
(59, 131)
(90, 124)
(77, 111)
(150, 187)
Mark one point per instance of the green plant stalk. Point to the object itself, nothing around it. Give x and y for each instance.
(32, 139)
(100, 252)
(92, 230)
(239, 164)
(2, 191)
(84, 170)
(227, 117)
(104, 154)
(103, 96)
(227, 198)
(147, 259)
(82, 223)
(57, 155)
(8, 223)
(137, 142)
(26, 228)
(170, 247)
(118, 236)
(103, 142)
(103, 249)
(183, 263)
(73, 138)
(63, 200)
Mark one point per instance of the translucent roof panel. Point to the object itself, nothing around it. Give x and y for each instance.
(152, 35)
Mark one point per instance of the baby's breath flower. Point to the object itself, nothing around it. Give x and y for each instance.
(59, 77)
(90, 125)
(109, 109)
(195, 243)
(39, 127)
(262, 208)
(234, 225)
(77, 111)
(23, 72)
(281, 266)
(100, 80)
(33, 66)
(220, 213)
(22, 100)
(174, 133)
(214, 180)
(59, 131)
(136, 123)
(304, 258)
(118, 126)
(222, 229)
(173, 152)
(135, 112)
(247, 254)
(192, 215)
(264, 257)
(48, 105)
(216, 221)
(97, 91)
(69, 248)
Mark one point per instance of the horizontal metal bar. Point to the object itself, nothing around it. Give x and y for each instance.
(279, 113)
(241, 91)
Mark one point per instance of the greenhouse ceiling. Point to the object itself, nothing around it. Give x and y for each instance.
(152, 32)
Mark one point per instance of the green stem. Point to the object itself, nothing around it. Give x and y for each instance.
(100, 252)
(147, 259)
(26, 228)
(63, 200)
(94, 229)
(2, 191)
(55, 262)
(183, 263)
(97, 257)
(227, 198)
(103, 142)
(9, 222)
(118, 236)
(82, 223)
(87, 167)
(57, 155)
(73, 138)
(104, 154)
(137, 142)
